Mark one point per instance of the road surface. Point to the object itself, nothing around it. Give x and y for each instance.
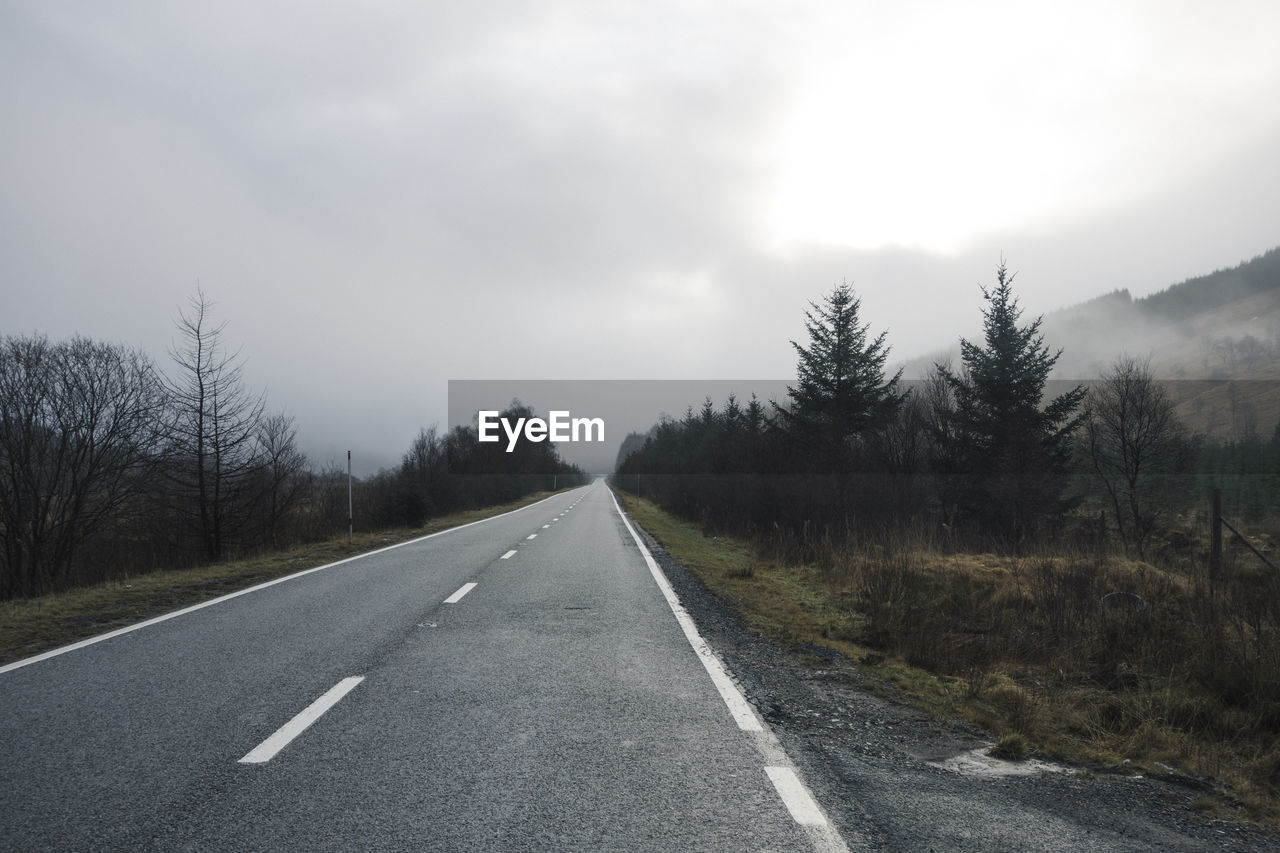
(521, 683)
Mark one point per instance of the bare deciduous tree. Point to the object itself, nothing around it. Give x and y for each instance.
(77, 427)
(212, 431)
(283, 472)
(1133, 436)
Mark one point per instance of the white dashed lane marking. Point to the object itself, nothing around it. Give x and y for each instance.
(457, 596)
(267, 750)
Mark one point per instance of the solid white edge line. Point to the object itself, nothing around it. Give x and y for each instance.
(267, 750)
(739, 707)
(508, 555)
(800, 804)
(795, 796)
(155, 620)
(457, 596)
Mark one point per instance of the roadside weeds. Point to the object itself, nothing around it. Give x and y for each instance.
(964, 636)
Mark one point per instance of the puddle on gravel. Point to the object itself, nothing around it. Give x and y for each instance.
(977, 762)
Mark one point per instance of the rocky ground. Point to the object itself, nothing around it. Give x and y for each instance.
(893, 778)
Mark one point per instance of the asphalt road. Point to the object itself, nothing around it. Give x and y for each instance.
(557, 704)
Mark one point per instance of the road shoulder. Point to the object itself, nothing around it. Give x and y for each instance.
(873, 763)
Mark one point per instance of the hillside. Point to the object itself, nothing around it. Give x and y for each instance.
(1216, 337)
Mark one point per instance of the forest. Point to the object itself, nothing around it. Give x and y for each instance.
(981, 450)
(111, 466)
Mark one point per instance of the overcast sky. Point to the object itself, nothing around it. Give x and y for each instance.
(380, 197)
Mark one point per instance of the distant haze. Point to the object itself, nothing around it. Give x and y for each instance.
(382, 197)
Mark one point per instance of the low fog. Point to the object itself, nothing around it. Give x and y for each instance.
(381, 199)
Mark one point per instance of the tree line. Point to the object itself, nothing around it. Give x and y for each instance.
(981, 451)
(110, 466)
(441, 472)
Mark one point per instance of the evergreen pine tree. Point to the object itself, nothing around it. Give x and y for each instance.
(841, 392)
(1011, 454)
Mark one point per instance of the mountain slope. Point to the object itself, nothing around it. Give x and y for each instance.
(1217, 335)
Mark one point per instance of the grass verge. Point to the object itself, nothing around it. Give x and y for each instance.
(33, 625)
(787, 603)
(1022, 647)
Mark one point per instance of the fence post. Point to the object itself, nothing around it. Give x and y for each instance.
(1215, 540)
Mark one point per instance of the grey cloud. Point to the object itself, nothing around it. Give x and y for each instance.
(382, 198)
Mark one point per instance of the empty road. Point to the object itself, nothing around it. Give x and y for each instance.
(521, 683)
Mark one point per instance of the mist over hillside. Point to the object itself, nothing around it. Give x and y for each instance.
(1216, 337)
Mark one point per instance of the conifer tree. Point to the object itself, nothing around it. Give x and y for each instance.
(841, 390)
(1010, 452)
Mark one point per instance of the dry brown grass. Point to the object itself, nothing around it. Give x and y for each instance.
(1023, 645)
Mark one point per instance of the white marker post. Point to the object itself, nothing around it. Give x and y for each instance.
(351, 527)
